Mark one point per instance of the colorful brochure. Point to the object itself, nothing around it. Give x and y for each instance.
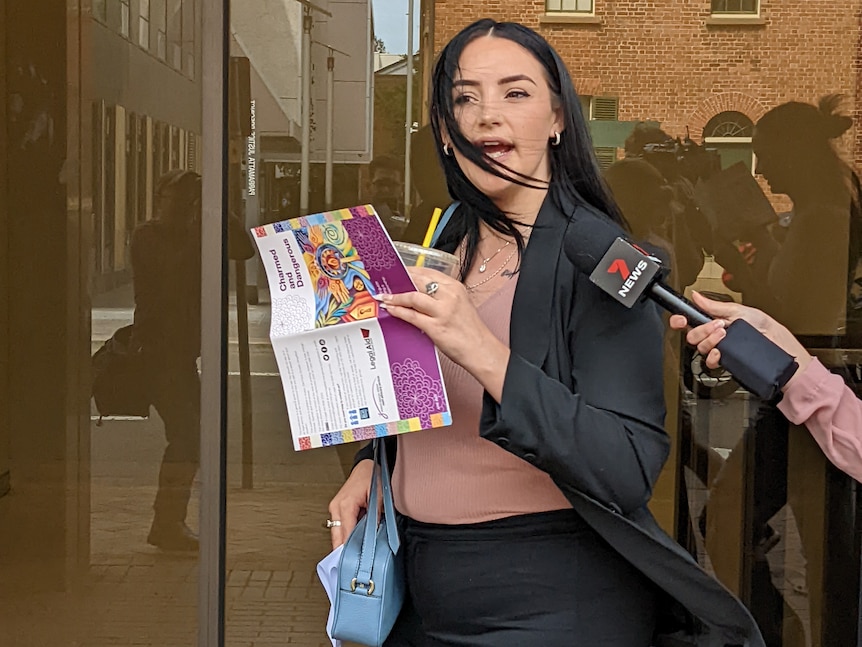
(350, 371)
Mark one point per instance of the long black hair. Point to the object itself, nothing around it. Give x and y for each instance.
(575, 172)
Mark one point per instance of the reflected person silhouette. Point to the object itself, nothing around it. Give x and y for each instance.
(682, 163)
(166, 267)
(796, 275)
(802, 274)
(386, 190)
(646, 201)
(656, 216)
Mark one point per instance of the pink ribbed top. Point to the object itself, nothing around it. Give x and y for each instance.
(451, 475)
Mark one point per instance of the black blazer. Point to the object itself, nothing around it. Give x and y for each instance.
(583, 400)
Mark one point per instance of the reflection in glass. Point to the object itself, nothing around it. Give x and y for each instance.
(81, 559)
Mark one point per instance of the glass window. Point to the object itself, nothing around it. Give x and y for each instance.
(175, 33)
(569, 6)
(100, 10)
(603, 109)
(125, 18)
(99, 496)
(729, 133)
(735, 6)
(159, 25)
(188, 37)
(144, 24)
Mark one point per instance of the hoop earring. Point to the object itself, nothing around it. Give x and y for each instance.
(557, 139)
(446, 150)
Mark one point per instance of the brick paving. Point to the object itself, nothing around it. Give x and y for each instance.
(132, 594)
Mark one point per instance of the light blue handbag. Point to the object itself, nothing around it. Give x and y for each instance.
(371, 571)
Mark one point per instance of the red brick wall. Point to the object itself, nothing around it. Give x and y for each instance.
(665, 63)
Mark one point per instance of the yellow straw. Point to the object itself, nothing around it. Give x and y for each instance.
(426, 242)
(435, 218)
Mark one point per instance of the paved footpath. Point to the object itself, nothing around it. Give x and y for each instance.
(130, 594)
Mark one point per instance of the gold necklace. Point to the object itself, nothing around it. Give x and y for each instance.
(484, 265)
(488, 278)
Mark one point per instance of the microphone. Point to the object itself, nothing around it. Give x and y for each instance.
(627, 273)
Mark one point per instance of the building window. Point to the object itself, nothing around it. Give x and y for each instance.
(175, 33)
(730, 133)
(188, 36)
(144, 24)
(124, 17)
(603, 109)
(569, 6)
(100, 10)
(159, 26)
(735, 7)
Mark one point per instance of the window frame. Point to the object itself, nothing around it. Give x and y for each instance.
(144, 24)
(731, 140)
(735, 14)
(125, 24)
(569, 12)
(99, 11)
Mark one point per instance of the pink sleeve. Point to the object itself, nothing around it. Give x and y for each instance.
(832, 413)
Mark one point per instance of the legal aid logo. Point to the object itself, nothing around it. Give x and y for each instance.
(369, 348)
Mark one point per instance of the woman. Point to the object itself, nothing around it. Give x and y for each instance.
(526, 520)
(813, 397)
(794, 273)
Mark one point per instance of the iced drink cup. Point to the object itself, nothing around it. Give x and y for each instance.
(417, 255)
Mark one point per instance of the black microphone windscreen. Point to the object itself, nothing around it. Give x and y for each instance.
(588, 239)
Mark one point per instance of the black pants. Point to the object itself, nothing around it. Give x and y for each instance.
(534, 580)
(176, 397)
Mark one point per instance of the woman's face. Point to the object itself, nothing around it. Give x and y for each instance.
(504, 106)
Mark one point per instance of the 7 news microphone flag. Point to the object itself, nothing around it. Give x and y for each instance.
(628, 273)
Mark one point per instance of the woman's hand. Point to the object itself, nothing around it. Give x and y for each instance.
(445, 314)
(708, 335)
(351, 500)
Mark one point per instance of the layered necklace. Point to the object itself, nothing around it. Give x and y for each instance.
(485, 261)
(484, 266)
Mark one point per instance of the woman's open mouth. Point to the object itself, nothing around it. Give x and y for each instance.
(495, 149)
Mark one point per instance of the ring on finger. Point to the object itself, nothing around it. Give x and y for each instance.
(431, 288)
(331, 523)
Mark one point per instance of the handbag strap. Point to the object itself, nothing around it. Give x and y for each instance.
(388, 503)
(369, 539)
(444, 220)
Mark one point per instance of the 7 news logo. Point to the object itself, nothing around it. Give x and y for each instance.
(625, 272)
(630, 279)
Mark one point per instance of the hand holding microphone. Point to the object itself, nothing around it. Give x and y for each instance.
(708, 337)
(627, 273)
